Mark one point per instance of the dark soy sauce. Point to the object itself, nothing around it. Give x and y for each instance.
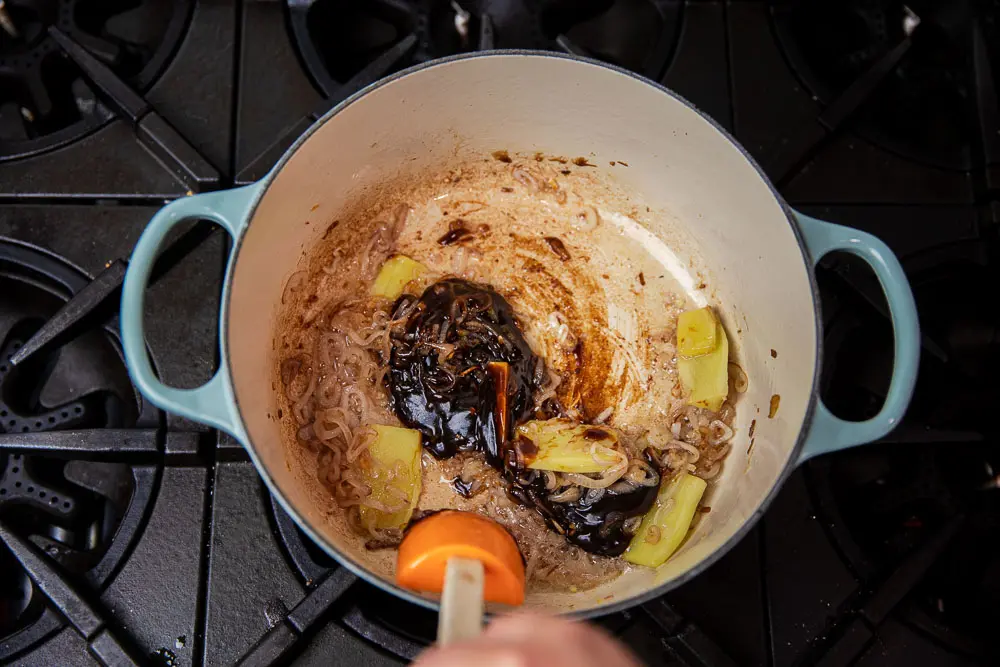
(462, 374)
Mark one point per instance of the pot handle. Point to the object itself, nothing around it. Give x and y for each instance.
(212, 403)
(827, 432)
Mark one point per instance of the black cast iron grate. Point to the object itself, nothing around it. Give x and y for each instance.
(920, 110)
(72, 495)
(919, 79)
(339, 39)
(44, 102)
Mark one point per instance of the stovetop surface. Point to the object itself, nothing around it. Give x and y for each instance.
(151, 539)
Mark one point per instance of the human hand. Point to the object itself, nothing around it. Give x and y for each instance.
(533, 640)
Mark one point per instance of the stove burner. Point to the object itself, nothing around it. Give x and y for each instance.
(919, 519)
(888, 507)
(923, 108)
(56, 506)
(636, 34)
(24, 413)
(82, 383)
(44, 102)
(338, 40)
(80, 513)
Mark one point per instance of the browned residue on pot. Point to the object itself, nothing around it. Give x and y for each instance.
(773, 409)
(579, 300)
(457, 232)
(333, 226)
(558, 247)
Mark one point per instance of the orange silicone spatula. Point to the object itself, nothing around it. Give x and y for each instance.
(467, 558)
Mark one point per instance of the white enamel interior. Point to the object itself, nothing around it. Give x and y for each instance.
(680, 164)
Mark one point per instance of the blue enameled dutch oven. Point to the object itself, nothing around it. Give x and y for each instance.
(759, 253)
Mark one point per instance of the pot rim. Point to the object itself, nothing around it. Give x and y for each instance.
(344, 560)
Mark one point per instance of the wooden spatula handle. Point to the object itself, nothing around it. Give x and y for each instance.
(461, 601)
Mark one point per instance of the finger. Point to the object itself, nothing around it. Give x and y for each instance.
(527, 624)
(540, 651)
(485, 652)
(574, 639)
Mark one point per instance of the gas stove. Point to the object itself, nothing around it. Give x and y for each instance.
(136, 537)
